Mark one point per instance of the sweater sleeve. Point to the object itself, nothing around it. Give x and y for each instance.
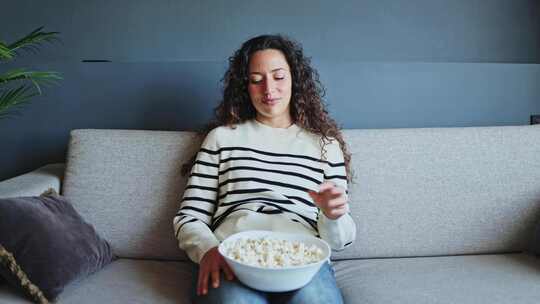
(192, 221)
(341, 232)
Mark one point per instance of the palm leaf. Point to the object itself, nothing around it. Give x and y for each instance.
(5, 52)
(14, 98)
(37, 78)
(32, 41)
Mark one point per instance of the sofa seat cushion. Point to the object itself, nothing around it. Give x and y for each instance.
(501, 278)
(125, 281)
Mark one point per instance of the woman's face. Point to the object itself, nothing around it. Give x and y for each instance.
(270, 87)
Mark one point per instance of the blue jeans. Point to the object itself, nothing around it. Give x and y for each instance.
(321, 289)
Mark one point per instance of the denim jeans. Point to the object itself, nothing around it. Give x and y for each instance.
(321, 289)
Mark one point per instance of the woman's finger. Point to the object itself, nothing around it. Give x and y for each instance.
(335, 202)
(336, 198)
(228, 271)
(215, 277)
(338, 212)
(338, 204)
(330, 195)
(325, 186)
(203, 281)
(336, 190)
(330, 202)
(323, 197)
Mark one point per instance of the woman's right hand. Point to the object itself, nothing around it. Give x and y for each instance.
(209, 267)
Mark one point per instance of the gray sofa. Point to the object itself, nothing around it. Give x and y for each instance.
(444, 215)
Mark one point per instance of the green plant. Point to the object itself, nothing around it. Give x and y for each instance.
(18, 86)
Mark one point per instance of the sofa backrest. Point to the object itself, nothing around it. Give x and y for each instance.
(128, 184)
(444, 191)
(417, 192)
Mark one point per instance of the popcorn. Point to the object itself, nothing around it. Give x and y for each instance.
(272, 253)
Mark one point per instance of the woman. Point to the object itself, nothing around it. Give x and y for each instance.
(272, 159)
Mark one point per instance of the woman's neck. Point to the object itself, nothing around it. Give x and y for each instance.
(282, 123)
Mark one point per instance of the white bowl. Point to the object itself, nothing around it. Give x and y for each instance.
(276, 279)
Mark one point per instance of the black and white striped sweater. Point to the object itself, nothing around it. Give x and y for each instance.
(256, 177)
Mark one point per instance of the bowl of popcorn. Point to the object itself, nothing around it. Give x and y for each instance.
(274, 261)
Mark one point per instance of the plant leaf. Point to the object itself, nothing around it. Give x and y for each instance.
(14, 98)
(36, 78)
(5, 52)
(20, 74)
(32, 41)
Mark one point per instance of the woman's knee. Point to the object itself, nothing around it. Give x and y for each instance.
(232, 292)
(322, 289)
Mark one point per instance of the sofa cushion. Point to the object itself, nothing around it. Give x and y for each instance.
(126, 281)
(471, 279)
(128, 184)
(45, 241)
(443, 191)
(509, 278)
(33, 183)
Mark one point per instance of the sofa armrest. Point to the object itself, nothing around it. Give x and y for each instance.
(34, 183)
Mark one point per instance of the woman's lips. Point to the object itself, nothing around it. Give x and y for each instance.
(271, 101)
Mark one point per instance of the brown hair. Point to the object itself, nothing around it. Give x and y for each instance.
(308, 109)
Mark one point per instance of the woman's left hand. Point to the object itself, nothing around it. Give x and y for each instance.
(331, 199)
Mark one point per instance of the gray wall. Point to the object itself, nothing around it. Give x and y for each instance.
(385, 63)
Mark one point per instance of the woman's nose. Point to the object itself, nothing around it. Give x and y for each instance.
(268, 86)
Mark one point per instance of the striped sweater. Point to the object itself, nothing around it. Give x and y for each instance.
(256, 177)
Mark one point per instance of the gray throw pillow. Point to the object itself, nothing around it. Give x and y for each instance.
(45, 245)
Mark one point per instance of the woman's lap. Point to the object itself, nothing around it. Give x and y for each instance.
(321, 289)
(231, 292)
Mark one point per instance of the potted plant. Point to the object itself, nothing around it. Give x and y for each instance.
(19, 85)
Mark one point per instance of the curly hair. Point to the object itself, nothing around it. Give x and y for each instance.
(308, 109)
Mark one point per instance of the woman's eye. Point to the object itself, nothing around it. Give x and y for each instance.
(255, 81)
(279, 77)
